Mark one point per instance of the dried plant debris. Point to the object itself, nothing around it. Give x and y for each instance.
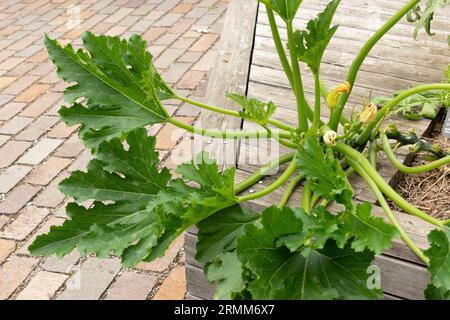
(429, 191)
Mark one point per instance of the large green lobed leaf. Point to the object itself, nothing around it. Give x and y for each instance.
(138, 210)
(118, 82)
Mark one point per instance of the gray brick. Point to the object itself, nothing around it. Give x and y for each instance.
(12, 176)
(40, 151)
(91, 280)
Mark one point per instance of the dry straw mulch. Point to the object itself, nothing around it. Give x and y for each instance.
(429, 191)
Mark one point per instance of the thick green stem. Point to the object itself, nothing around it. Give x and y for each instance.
(274, 186)
(356, 65)
(233, 113)
(314, 199)
(411, 170)
(262, 172)
(316, 120)
(373, 154)
(306, 197)
(290, 189)
(302, 108)
(279, 46)
(388, 211)
(323, 89)
(354, 155)
(228, 134)
(384, 111)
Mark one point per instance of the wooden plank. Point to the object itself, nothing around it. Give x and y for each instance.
(352, 25)
(403, 274)
(265, 55)
(235, 49)
(197, 284)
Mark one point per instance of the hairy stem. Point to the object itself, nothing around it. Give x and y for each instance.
(274, 186)
(290, 189)
(229, 134)
(384, 111)
(298, 85)
(233, 113)
(357, 157)
(411, 170)
(388, 211)
(262, 172)
(356, 65)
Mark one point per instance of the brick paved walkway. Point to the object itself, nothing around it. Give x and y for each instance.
(37, 150)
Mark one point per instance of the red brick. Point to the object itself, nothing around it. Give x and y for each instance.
(11, 151)
(132, 286)
(168, 137)
(41, 104)
(48, 170)
(205, 42)
(181, 26)
(10, 29)
(32, 93)
(18, 198)
(182, 8)
(39, 56)
(42, 286)
(20, 84)
(174, 287)
(190, 80)
(6, 81)
(154, 33)
(25, 223)
(6, 247)
(13, 273)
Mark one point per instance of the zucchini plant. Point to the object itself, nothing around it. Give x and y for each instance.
(304, 251)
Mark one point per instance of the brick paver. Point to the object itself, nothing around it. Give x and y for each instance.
(37, 150)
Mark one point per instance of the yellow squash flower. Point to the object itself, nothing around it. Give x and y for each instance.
(333, 96)
(369, 113)
(330, 138)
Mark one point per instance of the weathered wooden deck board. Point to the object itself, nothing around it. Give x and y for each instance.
(230, 75)
(397, 62)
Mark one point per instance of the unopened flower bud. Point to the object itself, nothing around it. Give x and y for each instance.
(436, 148)
(369, 113)
(330, 138)
(414, 148)
(333, 96)
(392, 128)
